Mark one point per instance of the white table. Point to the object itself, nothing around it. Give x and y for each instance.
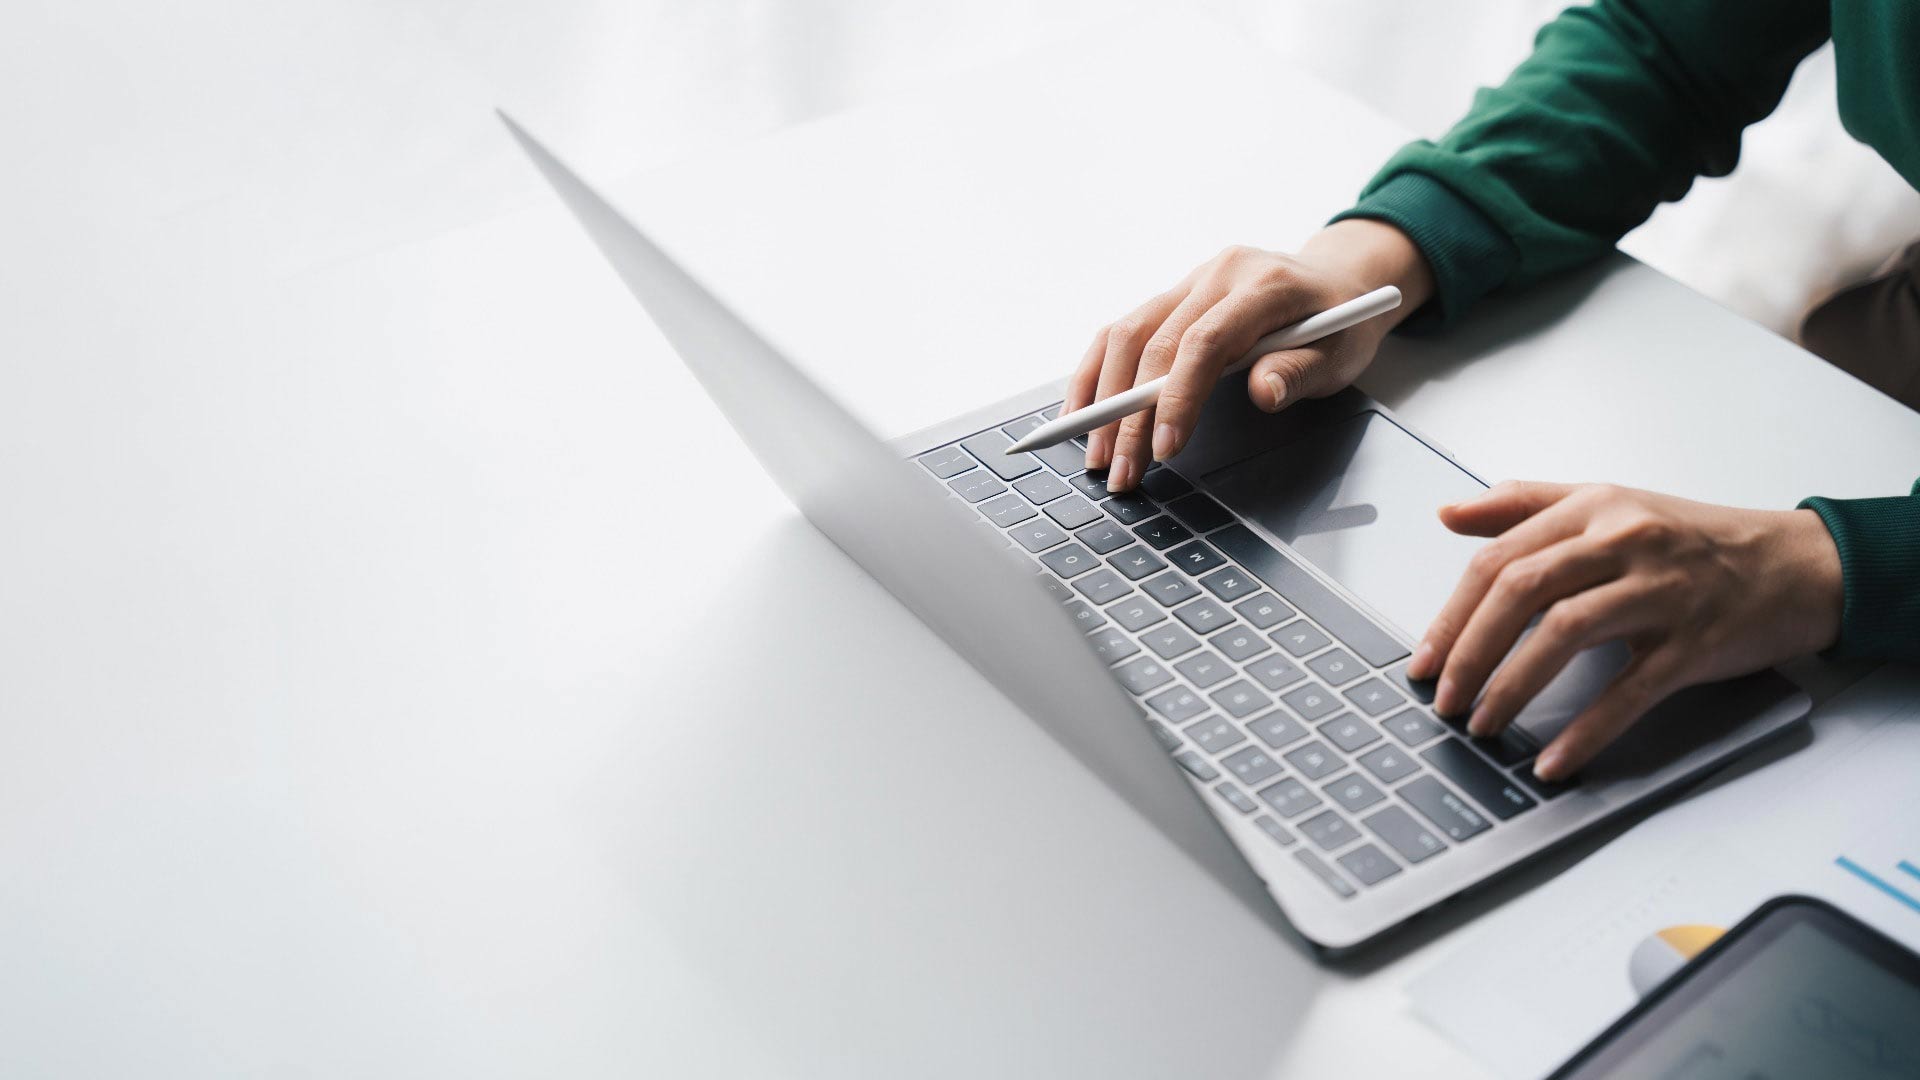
(407, 674)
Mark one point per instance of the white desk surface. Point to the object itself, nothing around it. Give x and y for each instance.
(405, 673)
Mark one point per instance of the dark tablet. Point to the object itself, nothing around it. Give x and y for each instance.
(1798, 989)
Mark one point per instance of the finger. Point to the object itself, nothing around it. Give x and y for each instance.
(1545, 528)
(1605, 613)
(1131, 447)
(1502, 506)
(1086, 376)
(1640, 685)
(1279, 379)
(1520, 590)
(1216, 339)
(1121, 357)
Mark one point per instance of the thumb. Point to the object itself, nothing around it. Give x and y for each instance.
(1279, 379)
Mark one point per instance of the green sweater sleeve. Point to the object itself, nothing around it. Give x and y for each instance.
(1879, 542)
(1621, 105)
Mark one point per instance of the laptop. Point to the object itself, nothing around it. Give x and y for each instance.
(1225, 647)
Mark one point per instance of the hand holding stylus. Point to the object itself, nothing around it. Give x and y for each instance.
(1216, 315)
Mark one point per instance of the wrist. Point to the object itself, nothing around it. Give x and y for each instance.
(1376, 253)
(1811, 568)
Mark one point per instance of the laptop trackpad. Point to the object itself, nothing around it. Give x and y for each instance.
(1357, 499)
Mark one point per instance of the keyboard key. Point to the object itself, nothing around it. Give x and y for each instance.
(1264, 611)
(1052, 412)
(1482, 782)
(1091, 484)
(1177, 703)
(1236, 798)
(1200, 512)
(1546, 791)
(1214, 734)
(1304, 591)
(1063, 458)
(1070, 561)
(1336, 666)
(1275, 672)
(1038, 536)
(1170, 641)
(976, 485)
(1205, 669)
(1163, 483)
(1421, 690)
(1204, 616)
(1413, 727)
(1403, 834)
(1369, 864)
(1353, 792)
(1171, 588)
(1143, 675)
(1228, 583)
(1238, 643)
(1241, 698)
(1277, 729)
(1135, 613)
(1165, 734)
(1388, 764)
(947, 463)
(1311, 701)
(1325, 873)
(1041, 487)
(1275, 830)
(1111, 645)
(1007, 510)
(1071, 512)
(1102, 587)
(1086, 616)
(1314, 760)
(1299, 638)
(1136, 562)
(1197, 765)
(1104, 536)
(1196, 558)
(1510, 747)
(1056, 588)
(991, 446)
(1289, 798)
(1328, 830)
(1455, 817)
(1131, 508)
(1019, 428)
(1374, 696)
(1251, 765)
(1349, 732)
(1162, 533)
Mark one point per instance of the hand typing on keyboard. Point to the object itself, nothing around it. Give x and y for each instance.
(1698, 592)
(1216, 313)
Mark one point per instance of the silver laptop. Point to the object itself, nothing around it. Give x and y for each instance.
(1226, 647)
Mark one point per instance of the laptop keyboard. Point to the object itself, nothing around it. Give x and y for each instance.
(1290, 705)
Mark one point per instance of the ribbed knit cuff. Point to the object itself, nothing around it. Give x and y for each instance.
(1468, 253)
(1879, 542)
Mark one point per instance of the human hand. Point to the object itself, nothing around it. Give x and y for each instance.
(1697, 592)
(1216, 313)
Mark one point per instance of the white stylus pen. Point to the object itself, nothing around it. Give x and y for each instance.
(1307, 330)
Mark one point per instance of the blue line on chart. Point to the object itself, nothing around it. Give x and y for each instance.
(1880, 883)
(1909, 869)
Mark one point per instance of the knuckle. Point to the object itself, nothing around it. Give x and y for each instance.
(1201, 339)
(1487, 561)
(1519, 579)
(1125, 330)
(1160, 352)
(1568, 619)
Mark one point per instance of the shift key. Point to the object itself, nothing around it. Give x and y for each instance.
(1483, 783)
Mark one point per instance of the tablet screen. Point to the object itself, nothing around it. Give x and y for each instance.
(1801, 997)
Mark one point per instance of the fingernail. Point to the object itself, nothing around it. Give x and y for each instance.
(1420, 666)
(1479, 727)
(1097, 450)
(1279, 391)
(1547, 766)
(1166, 442)
(1443, 697)
(1120, 474)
